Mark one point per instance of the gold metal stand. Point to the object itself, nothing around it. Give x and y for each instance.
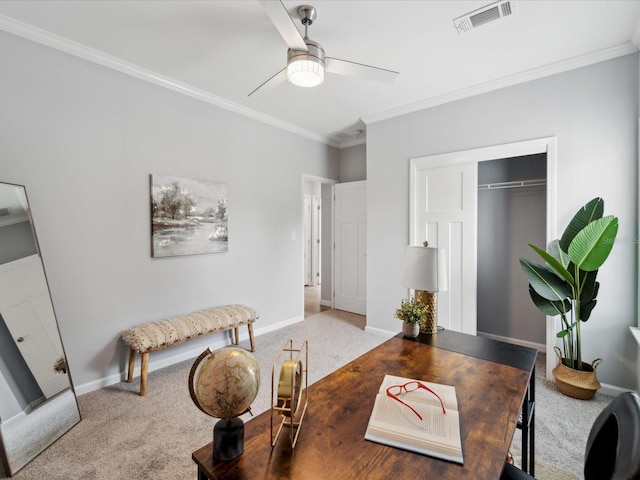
(290, 393)
(431, 321)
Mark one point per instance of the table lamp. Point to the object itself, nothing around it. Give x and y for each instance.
(425, 271)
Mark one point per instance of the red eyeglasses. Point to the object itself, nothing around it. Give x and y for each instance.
(394, 390)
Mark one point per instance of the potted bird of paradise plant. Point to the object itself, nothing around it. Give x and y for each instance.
(566, 285)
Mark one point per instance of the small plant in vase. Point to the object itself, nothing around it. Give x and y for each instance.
(412, 313)
(566, 285)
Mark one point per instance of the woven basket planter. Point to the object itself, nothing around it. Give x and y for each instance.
(581, 384)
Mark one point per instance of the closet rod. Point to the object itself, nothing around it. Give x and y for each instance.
(516, 184)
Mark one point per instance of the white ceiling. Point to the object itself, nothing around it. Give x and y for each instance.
(220, 51)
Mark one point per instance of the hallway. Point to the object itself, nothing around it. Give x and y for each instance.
(312, 301)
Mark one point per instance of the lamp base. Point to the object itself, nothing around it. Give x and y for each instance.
(430, 299)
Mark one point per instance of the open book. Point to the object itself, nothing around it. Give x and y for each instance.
(437, 434)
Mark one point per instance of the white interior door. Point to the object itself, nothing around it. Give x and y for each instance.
(350, 247)
(444, 206)
(307, 239)
(26, 308)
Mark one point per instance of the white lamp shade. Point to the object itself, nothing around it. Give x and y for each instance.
(305, 72)
(425, 269)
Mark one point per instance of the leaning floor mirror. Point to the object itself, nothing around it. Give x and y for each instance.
(37, 400)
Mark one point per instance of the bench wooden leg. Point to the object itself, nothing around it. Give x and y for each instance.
(132, 364)
(143, 373)
(236, 335)
(250, 327)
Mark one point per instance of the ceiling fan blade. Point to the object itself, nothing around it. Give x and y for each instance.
(284, 23)
(272, 83)
(353, 69)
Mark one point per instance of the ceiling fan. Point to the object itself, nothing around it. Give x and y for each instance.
(306, 61)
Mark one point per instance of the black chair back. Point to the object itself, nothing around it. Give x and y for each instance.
(613, 446)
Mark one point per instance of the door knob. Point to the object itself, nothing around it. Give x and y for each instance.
(22, 339)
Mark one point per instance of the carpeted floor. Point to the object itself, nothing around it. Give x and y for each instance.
(123, 435)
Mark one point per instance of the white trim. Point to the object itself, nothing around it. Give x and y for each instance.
(515, 341)
(611, 390)
(379, 332)
(493, 152)
(361, 140)
(222, 341)
(95, 56)
(552, 208)
(315, 178)
(508, 81)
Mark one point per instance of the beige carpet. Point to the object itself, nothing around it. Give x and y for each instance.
(123, 435)
(544, 470)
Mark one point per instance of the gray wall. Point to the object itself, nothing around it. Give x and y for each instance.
(508, 220)
(84, 139)
(353, 163)
(593, 113)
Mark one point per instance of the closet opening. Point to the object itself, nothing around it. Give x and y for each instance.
(512, 213)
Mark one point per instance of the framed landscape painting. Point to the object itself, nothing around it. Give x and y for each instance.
(188, 216)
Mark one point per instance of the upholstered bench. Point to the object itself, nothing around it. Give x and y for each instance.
(154, 336)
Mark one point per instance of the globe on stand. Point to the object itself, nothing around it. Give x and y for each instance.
(224, 384)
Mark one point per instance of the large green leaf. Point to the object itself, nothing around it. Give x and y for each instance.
(549, 307)
(589, 286)
(556, 252)
(587, 214)
(554, 263)
(586, 309)
(546, 283)
(591, 246)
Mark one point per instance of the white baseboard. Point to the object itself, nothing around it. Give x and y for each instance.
(179, 357)
(612, 390)
(515, 341)
(380, 332)
(326, 303)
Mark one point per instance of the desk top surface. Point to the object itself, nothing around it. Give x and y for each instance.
(490, 386)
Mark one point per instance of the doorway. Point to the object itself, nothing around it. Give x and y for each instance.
(317, 240)
(511, 215)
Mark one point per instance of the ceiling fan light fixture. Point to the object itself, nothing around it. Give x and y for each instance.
(306, 69)
(305, 72)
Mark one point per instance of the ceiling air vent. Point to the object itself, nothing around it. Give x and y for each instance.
(4, 212)
(486, 14)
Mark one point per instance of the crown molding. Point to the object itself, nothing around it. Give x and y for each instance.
(529, 75)
(57, 42)
(362, 139)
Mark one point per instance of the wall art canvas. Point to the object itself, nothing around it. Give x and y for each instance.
(188, 216)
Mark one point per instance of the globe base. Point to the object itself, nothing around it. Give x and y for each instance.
(228, 439)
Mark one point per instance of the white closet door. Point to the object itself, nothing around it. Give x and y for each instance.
(444, 207)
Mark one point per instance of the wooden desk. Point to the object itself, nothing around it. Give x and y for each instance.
(491, 380)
